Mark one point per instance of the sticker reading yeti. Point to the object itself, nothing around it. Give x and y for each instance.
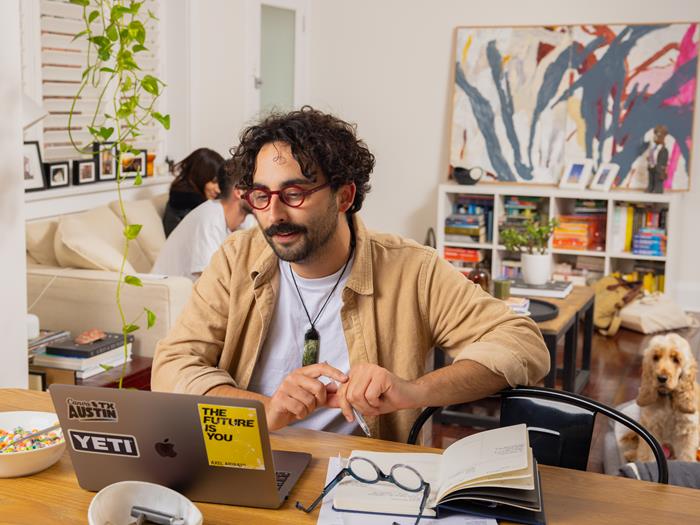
(91, 410)
(231, 436)
(101, 443)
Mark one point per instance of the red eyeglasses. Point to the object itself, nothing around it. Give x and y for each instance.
(293, 196)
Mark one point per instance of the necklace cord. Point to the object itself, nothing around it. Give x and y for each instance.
(337, 282)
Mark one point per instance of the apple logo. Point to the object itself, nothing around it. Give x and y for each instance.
(165, 449)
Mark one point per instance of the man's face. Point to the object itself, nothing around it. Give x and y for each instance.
(659, 136)
(295, 234)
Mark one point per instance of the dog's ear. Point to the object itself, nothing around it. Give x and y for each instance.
(647, 391)
(683, 398)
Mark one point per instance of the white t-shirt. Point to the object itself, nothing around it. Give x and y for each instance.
(283, 349)
(190, 246)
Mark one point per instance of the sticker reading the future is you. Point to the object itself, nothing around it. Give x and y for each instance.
(231, 436)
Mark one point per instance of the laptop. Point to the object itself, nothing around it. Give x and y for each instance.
(211, 449)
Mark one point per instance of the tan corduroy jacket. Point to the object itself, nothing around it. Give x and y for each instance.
(400, 301)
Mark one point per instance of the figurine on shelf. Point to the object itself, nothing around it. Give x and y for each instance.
(657, 161)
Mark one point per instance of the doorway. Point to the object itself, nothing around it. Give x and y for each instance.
(276, 76)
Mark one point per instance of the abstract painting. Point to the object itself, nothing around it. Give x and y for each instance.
(529, 100)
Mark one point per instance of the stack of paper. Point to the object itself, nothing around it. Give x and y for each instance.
(519, 305)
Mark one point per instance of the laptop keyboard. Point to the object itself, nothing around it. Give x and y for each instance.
(282, 476)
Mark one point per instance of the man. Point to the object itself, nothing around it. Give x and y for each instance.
(657, 160)
(312, 312)
(190, 246)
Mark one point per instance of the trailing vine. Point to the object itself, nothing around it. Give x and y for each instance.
(116, 34)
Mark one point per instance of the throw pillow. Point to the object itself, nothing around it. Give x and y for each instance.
(93, 240)
(151, 238)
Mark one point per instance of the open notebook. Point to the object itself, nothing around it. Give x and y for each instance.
(491, 473)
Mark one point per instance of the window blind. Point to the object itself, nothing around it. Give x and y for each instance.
(62, 63)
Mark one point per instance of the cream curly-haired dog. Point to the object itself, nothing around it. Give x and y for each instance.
(669, 397)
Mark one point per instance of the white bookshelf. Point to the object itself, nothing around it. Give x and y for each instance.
(556, 201)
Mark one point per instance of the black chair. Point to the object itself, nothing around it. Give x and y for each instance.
(560, 425)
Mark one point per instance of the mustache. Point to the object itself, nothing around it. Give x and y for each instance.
(284, 228)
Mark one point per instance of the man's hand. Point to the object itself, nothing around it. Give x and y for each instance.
(301, 393)
(373, 390)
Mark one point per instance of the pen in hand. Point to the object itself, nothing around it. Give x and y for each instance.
(361, 421)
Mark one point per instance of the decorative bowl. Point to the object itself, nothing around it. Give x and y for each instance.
(26, 462)
(112, 505)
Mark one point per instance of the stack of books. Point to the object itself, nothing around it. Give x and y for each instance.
(511, 269)
(649, 241)
(520, 209)
(464, 259)
(555, 289)
(580, 232)
(585, 270)
(465, 228)
(475, 208)
(645, 224)
(86, 360)
(45, 337)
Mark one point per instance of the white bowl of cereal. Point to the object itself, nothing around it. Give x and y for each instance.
(34, 454)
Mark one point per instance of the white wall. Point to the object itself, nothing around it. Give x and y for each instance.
(13, 298)
(217, 60)
(386, 66)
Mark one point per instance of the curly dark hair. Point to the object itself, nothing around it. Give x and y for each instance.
(319, 142)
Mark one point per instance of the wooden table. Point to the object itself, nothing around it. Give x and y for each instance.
(574, 307)
(571, 497)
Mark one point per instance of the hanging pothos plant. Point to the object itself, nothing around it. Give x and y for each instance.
(115, 31)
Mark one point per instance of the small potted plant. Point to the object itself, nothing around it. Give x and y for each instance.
(531, 241)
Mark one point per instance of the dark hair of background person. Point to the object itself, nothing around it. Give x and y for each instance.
(187, 190)
(195, 170)
(320, 143)
(227, 180)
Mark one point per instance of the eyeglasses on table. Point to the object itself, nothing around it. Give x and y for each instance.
(366, 471)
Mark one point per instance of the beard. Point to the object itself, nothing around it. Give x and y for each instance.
(311, 240)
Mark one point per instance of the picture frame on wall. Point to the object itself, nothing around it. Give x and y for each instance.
(84, 171)
(106, 160)
(577, 174)
(33, 167)
(604, 177)
(57, 174)
(134, 164)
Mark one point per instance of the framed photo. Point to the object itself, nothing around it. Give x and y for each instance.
(57, 174)
(133, 164)
(84, 171)
(33, 168)
(106, 160)
(577, 174)
(605, 176)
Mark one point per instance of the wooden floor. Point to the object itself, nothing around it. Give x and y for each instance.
(615, 377)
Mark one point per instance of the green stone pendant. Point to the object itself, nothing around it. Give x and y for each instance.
(312, 343)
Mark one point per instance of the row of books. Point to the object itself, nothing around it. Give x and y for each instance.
(518, 210)
(45, 337)
(582, 271)
(85, 360)
(652, 277)
(584, 229)
(511, 269)
(649, 241)
(471, 219)
(639, 229)
(464, 259)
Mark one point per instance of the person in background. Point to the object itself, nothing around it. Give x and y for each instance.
(315, 315)
(200, 234)
(194, 183)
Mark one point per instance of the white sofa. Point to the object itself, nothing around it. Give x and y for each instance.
(74, 260)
